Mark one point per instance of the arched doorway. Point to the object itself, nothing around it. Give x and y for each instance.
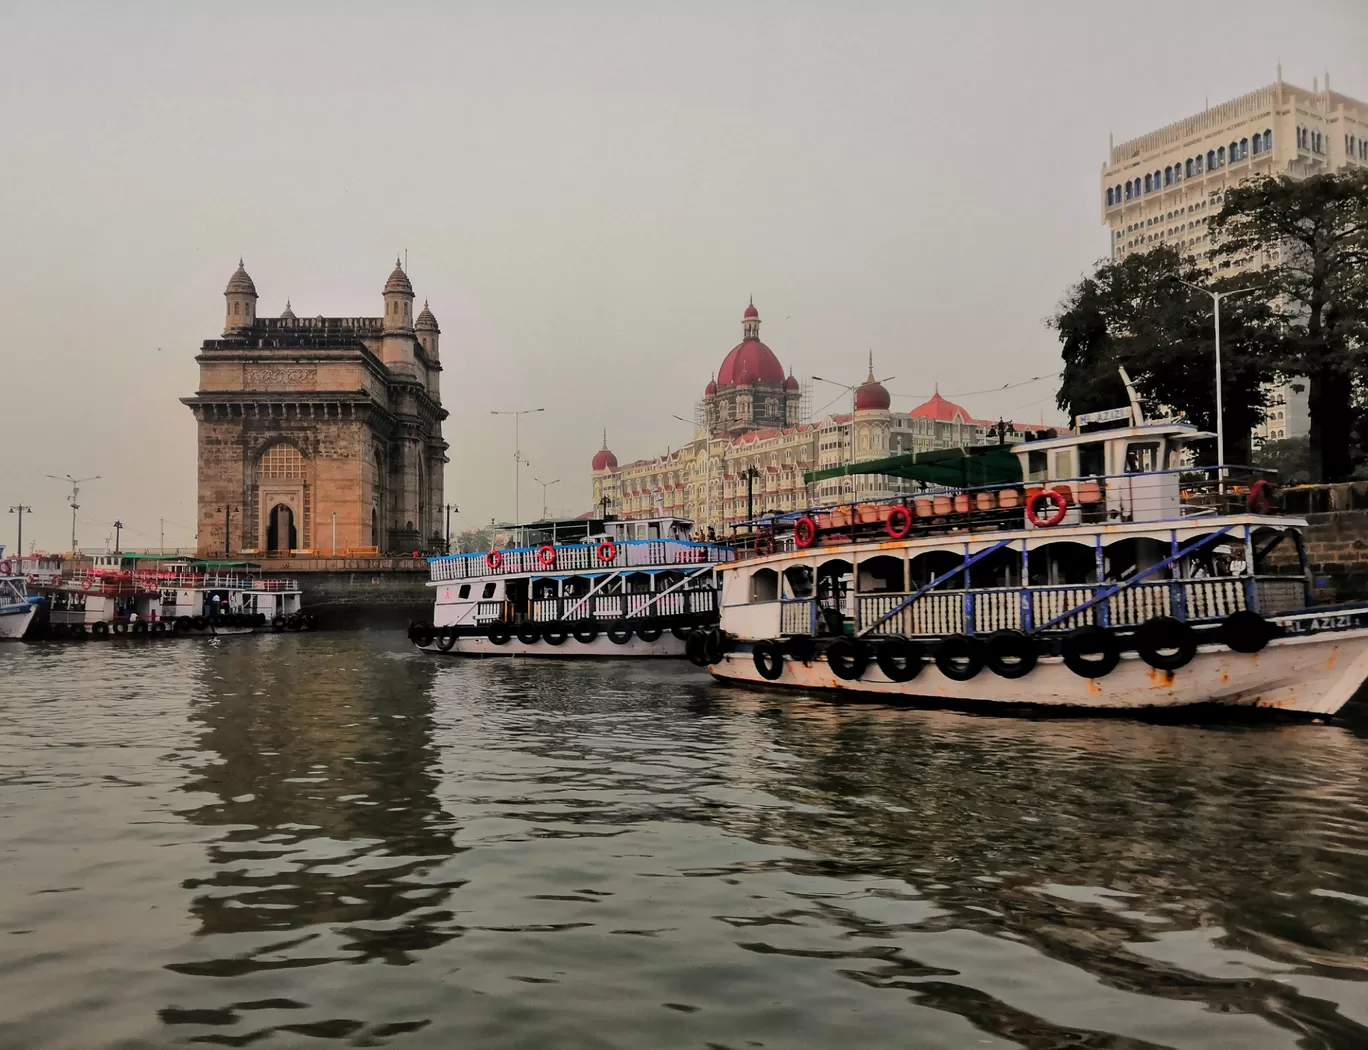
(280, 529)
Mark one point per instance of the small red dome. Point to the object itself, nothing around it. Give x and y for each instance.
(710, 389)
(751, 311)
(791, 383)
(872, 397)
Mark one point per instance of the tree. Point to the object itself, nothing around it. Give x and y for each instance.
(473, 541)
(1313, 235)
(1136, 313)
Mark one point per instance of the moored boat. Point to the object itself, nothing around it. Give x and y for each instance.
(576, 588)
(141, 595)
(1095, 571)
(17, 606)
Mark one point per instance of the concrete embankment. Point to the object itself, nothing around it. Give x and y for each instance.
(360, 592)
(1336, 536)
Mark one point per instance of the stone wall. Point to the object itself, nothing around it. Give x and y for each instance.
(360, 592)
(1336, 537)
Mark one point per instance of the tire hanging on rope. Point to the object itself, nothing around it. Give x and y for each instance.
(847, 658)
(959, 657)
(768, 659)
(1090, 651)
(1165, 643)
(899, 660)
(1010, 654)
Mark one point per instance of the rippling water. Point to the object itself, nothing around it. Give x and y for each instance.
(303, 839)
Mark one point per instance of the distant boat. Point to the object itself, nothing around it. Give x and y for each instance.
(17, 607)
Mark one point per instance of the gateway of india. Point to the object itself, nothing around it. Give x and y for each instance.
(753, 445)
(320, 435)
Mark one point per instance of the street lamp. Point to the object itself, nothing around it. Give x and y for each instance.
(75, 484)
(518, 461)
(545, 485)
(750, 475)
(21, 510)
(707, 471)
(1216, 298)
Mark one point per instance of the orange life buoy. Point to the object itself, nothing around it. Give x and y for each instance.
(85, 585)
(607, 551)
(1061, 506)
(494, 559)
(547, 555)
(899, 522)
(804, 532)
(1260, 499)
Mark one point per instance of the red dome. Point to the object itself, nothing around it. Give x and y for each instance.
(755, 359)
(872, 397)
(605, 460)
(751, 311)
(940, 409)
(711, 388)
(791, 383)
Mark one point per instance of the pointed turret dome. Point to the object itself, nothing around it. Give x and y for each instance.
(604, 459)
(751, 311)
(871, 396)
(398, 281)
(287, 314)
(240, 283)
(426, 322)
(791, 383)
(711, 388)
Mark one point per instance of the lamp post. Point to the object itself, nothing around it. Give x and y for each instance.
(75, 484)
(751, 475)
(518, 461)
(118, 535)
(228, 532)
(1216, 298)
(545, 485)
(449, 508)
(21, 510)
(707, 470)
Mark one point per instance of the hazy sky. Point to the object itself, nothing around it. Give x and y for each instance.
(588, 193)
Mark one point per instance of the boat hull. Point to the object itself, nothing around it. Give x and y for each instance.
(667, 646)
(1313, 674)
(14, 621)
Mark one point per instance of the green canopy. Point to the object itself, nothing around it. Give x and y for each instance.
(946, 467)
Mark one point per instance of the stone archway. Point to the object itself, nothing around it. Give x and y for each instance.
(281, 534)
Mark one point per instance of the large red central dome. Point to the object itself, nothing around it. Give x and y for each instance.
(755, 360)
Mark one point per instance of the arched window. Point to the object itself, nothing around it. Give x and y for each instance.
(1268, 140)
(1211, 159)
(1118, 193)
(281, 462)
(1258, 145)
(1188, 167)
(237, 308)
(1168, 176)
(1149, 184)
(1128, 189)
(1220, 156)
(1244, 148)
(1109, 197)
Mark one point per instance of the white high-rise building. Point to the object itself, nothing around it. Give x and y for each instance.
(1161, 187)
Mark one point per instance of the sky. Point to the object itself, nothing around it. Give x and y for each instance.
(588, 195)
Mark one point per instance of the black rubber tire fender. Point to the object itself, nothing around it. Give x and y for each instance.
(529, 633)
(959, 657)
(78, 630)
(260, 619)
(199, 623)
(586, 631)
(139, 627)
(1090, 651)
(184, 624)
(498, 633)
(714, 645)
(649, 632)
(555, 635)
(120, 627)
(1246, 631)
(681, 631)
(899, 660)
(619, 632)
(446, 638)
(847, 658)
(768, 658)
(1010, 654)
(801, 647)
(99, 629)
(422, 637)
(277, 622)
(696, 648)
(1166, 644)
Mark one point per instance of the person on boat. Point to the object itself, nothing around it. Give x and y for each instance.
(712, 536)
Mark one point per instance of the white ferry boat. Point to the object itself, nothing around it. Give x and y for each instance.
(17, 607)
(1094, 571)
(133, 594)
(576, 588)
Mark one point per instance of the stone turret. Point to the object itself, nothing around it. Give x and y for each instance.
(425, 328)
(398, 301)
(241, 296)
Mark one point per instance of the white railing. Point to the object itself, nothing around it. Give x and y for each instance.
(624, 606)
(581, 557)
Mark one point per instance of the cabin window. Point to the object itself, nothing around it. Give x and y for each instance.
(764, 586)
(464, 591)
(799, 579)
(655, 530)
(1062, 564)
(1037, 466)
(883, 574)
(1064, 463)
(1092, 459)
(489, 589)
(1142, 457)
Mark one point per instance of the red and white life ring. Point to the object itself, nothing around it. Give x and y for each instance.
(804, 532)
(1061, 505)
(899, 522)
(85, 585)
(494, 560)
(607, 551)
(4, 568)
(547, 555)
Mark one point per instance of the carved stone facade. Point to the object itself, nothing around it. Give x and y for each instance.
(320, 434)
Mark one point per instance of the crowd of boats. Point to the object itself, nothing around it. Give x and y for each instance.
(140, 595)
(1100, 570)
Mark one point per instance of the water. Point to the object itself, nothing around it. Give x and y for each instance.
(330, 839)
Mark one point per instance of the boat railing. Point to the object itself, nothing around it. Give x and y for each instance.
(1063, 607)
(618, 554)
(208, 582)
(1149, 496)
(626, 606)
